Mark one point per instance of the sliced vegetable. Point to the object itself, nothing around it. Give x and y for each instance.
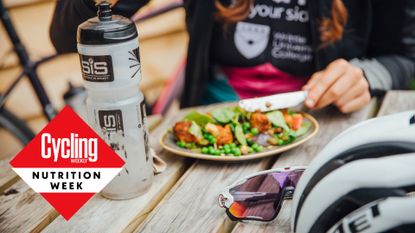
(223, 115)
(262, 139)
(239, 134)
(199, 118)
(297, 121)
(244, 150)
(302, 130)
(277, 119)
(212, 129)
(196, 131)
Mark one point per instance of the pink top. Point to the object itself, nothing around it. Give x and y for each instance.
(261, 80)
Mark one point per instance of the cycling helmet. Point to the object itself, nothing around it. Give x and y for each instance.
(378, 137)
(354, 185)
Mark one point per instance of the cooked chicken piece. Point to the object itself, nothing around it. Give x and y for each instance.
(222, 134)
(225, 135)
(260, 121)
(181, 130)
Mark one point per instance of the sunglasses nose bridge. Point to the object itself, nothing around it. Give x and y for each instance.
(288, 192)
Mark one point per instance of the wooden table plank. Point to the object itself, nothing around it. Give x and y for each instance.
(23, 210)
(7, 176)
(397, 101)
(332, 122)
(9, 147)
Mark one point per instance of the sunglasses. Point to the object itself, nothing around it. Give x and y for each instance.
(259, 196)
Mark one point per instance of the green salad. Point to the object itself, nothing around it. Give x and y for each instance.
(231, 131)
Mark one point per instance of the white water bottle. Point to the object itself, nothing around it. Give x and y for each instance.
(109, 55)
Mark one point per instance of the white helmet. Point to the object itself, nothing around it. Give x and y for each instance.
(354, 185)
(378, 137)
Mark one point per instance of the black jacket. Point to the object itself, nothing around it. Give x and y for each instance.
(379, 37)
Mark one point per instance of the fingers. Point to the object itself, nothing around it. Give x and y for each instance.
(356, 90)
(329, 76)
(348, 83)
(313, 80)
(356, 103)
(336, 91)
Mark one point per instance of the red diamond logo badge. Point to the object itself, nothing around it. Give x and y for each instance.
(67, 163)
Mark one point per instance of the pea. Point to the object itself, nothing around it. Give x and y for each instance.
(237, 152)
(232, 145)
(280, 142)
(250, 150)
(246, 124)
(211, 150)
(227, 151)
(190, 145)
(245, 130)
(216, 152)
(205, 150)
(254, 131)
(254, 146)
(180, 144)
(222, 152)
(226, 146)
(259, 149)
(249, 142)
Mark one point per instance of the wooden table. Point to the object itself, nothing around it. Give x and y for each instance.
(184, 197)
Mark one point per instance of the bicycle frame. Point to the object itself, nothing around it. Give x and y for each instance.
(29, 67)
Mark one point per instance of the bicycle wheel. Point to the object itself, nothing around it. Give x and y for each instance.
(13, 130)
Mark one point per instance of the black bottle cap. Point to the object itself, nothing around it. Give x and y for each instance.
(106, 28)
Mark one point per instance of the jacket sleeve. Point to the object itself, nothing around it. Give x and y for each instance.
(393, 63)
(69, 14)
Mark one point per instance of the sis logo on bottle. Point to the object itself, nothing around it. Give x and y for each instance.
(97, 68)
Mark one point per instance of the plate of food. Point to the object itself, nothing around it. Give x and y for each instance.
(230, 133)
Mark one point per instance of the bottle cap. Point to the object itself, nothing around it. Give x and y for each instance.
(106, 28)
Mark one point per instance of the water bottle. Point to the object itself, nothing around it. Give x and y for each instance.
(109, 54)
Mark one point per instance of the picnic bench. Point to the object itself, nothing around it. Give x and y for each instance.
(184, 197)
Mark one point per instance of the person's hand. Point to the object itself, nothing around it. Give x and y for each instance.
(341, 84)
